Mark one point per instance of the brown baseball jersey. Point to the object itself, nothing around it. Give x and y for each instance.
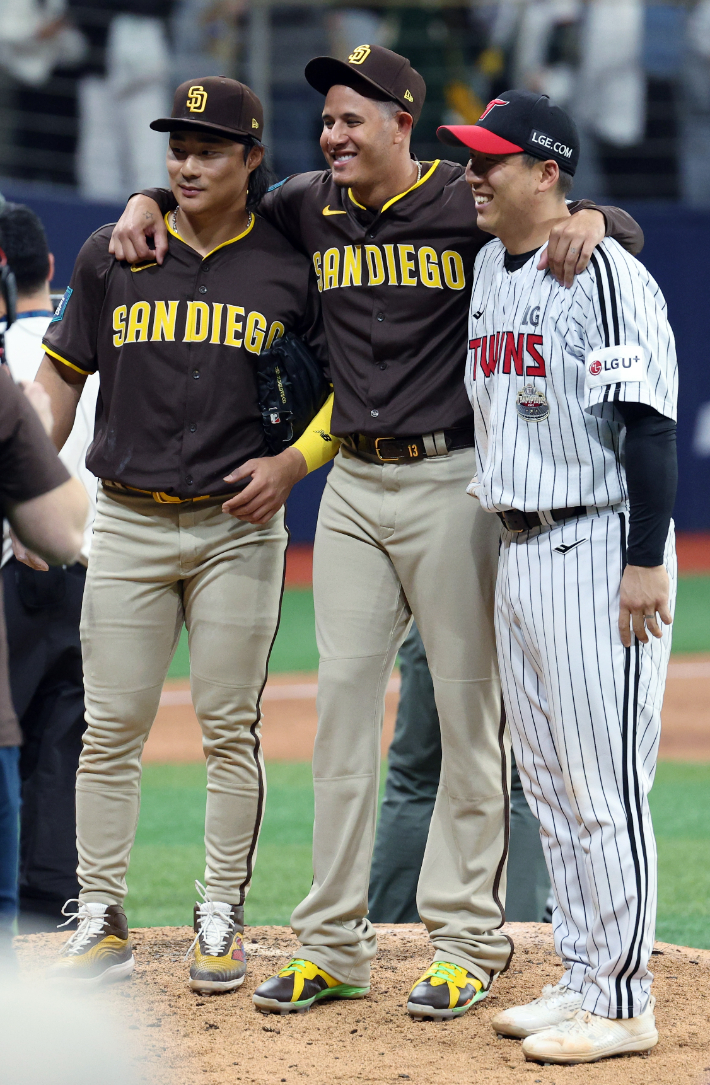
(395, 289)
(176, 346)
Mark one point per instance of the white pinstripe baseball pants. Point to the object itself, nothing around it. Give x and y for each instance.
(585, 716)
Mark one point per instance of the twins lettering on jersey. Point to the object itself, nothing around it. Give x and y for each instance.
(395, 265)
(508, 352)
(193, 322)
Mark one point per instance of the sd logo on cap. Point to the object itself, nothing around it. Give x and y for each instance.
(215, 104)
(374, 72)
(196, 99)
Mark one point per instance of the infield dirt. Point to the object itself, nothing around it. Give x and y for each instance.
(181, 1038)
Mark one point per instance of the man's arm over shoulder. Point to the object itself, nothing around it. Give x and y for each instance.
(619, 224)
(141, 233)
(574, 238)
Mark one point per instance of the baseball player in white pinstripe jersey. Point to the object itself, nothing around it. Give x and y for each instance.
(574, 396)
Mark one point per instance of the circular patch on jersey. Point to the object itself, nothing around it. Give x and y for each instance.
(531, 404)
(595, 368)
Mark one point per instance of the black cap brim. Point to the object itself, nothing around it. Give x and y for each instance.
(176, 124)
(326, 72)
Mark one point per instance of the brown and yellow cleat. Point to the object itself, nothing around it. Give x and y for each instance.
(99, 950)
(218, 949)
(298, 986)
(444, 991)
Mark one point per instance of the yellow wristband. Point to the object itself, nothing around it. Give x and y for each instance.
(317, 444)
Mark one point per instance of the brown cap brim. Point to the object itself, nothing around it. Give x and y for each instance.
(175, 124)
(326, 72)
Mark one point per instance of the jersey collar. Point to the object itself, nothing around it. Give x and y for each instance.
(422, 179)
(250, 227)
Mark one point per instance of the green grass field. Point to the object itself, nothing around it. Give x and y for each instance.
(295, 647)
(169, 854)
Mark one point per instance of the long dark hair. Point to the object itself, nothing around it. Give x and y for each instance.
(260, 180)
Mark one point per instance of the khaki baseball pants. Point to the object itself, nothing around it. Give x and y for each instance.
(151, 568)
(395, 541)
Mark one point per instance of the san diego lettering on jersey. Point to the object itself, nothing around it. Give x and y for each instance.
(218, 323)
(393, 265)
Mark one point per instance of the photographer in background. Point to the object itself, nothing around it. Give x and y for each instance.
(42, 608)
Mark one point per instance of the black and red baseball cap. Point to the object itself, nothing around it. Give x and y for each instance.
(520, 122)
(215, 104)
(374, 72)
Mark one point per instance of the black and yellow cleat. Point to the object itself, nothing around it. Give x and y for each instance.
(444, 991)
(298, 986)
(99, 950)
(218, 949)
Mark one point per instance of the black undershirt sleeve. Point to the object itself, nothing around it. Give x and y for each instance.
(652, 478)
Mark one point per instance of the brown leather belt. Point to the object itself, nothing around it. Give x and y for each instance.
(408, 449)
(518, 521)
(159, 496)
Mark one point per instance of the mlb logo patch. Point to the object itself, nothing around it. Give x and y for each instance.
(61, 308)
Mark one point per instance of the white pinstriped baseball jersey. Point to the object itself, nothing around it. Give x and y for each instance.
(545, 367)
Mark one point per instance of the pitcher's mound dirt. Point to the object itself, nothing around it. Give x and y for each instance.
(187, 1038)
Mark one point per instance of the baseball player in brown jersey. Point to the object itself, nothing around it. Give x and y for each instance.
(177, 419)
(393, 243)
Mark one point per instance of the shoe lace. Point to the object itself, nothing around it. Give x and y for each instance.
(294, 966)
(550, 992)
(214, 924)
(442, 970)
(581, 1019)
(89, 926)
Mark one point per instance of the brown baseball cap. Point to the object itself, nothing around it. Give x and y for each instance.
(215, 104)
(374, 72)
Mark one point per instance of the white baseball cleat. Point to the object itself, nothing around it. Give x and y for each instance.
(555, 1005)
(587, 1037)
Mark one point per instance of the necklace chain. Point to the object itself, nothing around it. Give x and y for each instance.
(174, 221)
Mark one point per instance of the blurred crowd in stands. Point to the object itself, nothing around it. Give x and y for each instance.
(80, 79)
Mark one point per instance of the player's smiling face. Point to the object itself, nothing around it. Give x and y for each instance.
(502, 185)
(359, 136)
(208, 174)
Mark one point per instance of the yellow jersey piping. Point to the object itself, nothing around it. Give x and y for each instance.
(416, 184)
(406, 192)
(84, 372)
(250, 226)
